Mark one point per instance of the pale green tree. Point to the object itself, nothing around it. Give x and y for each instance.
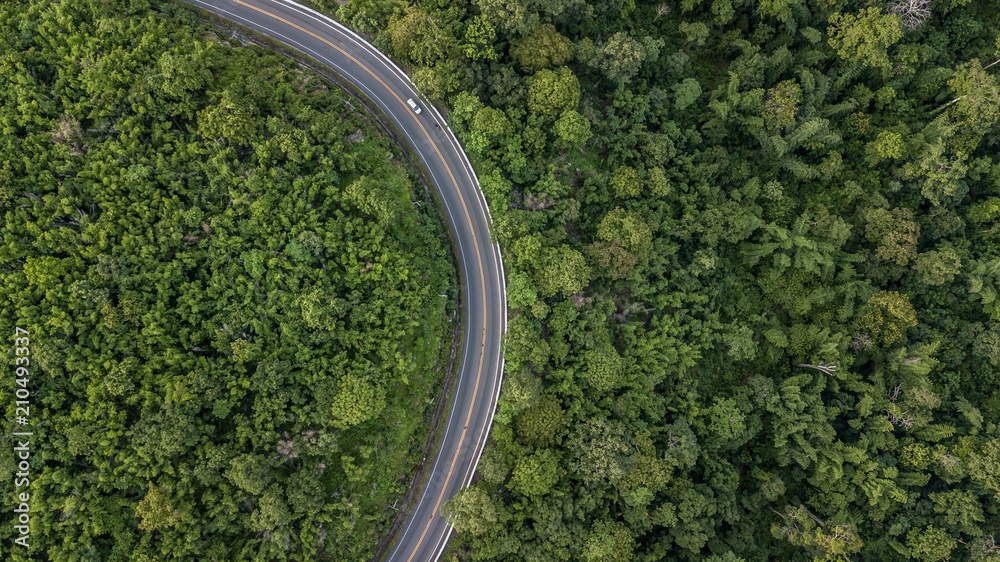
(781, 103)
(687, 92)
(543, 48)
(536, 474)
(572, 129)
(626, 182)
(978, 96)
(938, 267)
(480, 38)
(565, 272)
(553, 92)
(889, 314)
(608, 542)
(930, 544)
(865, 37)
(511, 16)
(357, 399)
(155, 510)
(620, 57)
(471, 511)
(895, 231)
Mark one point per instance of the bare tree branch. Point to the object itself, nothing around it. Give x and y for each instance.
(912, 13)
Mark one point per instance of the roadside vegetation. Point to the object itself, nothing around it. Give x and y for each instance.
(232, 285)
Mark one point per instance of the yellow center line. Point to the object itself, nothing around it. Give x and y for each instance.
(475, 243)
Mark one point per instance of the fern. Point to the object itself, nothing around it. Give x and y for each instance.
(848, 75)
(804, 132)
(721, 108)
(778, 62)
(976, 283)
(733, 87)
(822, 90)
(807, 79)
(913, 479)
(970, 412)
(988, 294)
(800, 457)
(934, 432)
(936, 129)
(799, 169)
(811, 34)
(753, 124)
(846, 311)
(811, 57)
(779, 146)
(752, 253)
(840, 108)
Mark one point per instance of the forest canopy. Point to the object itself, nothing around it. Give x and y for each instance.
(232, 298)
(754, 259)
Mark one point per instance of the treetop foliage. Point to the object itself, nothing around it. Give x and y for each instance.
(232, 299)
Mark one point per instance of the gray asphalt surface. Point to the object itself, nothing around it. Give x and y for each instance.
(425, 532)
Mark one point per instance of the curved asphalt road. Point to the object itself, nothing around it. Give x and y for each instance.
(426, 532)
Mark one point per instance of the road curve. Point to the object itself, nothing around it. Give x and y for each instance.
(474, 401)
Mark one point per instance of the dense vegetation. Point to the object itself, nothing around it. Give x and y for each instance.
(754, 261)
(233, 302)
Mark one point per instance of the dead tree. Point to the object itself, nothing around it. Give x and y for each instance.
(912, 13)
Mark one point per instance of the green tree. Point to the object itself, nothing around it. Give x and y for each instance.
(493, 466)
(888, 145)
(272, 511)
(357, 400)
(888, 316)
(865, 37)
(604, 368)
(541, 424)
(608, 542)
(418, 37)
(620, 58)
(565, 272)
(626, 182)
(930, 544)
(895, 231)
(696, 32)
(938, 267)
(521, 292)
(543, 48)
(510, 15)
(480, 36)
(601, 450)
(471, 511)
(687, 93)
(553, 92)
(572, 129)
(186, 73)
(781, 103)
(437, 81)
(536, 474)
(984, 549)
(827, 540)
(978, 96)
(233, 119)
(727, 420)
(155, 510)
(489, 127)
(984, 466)
(626, 230)
(960, 509)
